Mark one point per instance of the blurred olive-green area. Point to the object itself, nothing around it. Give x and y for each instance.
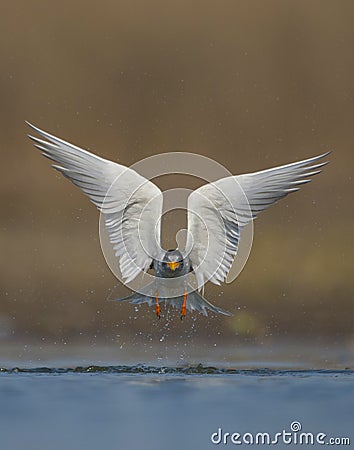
(251, 84)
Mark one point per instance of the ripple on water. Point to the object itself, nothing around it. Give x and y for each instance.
(198, 369)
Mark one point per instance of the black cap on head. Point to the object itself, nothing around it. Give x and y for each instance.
(175, 253)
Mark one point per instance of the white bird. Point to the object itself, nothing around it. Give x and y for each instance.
(132, 207)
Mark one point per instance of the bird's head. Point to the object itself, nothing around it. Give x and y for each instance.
(173, 260)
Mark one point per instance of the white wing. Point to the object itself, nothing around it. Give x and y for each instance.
(132, 205)
(217, 212)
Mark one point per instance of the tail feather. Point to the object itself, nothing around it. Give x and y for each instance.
(195, 301)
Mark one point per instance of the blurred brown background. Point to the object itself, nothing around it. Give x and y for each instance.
(251, 84)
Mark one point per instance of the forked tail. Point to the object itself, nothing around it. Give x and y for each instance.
(195, 301)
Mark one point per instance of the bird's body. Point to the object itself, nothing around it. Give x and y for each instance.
(172, 266)
(132, 208)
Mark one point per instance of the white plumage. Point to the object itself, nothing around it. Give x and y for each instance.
(132, 207)
(229, 204)
(119, 193)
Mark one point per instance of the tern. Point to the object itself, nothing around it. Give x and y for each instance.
(132, 207)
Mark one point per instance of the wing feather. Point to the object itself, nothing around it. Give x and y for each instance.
(131, 204)
(218, 211)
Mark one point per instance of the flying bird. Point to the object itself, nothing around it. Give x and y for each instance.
(132, 208)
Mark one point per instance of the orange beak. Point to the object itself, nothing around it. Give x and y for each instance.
(173, 265)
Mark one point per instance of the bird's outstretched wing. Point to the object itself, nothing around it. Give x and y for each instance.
(131, 204)
(217, 211)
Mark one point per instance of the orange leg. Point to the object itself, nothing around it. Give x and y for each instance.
(157, 307)
(184, 306)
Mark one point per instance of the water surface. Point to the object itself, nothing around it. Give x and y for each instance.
(166, 407)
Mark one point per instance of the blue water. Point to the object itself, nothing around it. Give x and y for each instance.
(153, 408)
